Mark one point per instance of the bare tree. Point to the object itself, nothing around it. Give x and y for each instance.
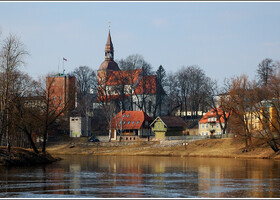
(265, 71)
(267, 111)
(86, 79)
(107, 98)
(172, 91)
(193, 86)
(217, 99)
(240, 91)
(11, 59)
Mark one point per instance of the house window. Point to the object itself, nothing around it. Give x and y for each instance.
(202, 125)
(217, 125)
(128, 122)
(127, 115)
(132, 122)
(202, 133)
(138, 122)
(206, 125)
(120, 123)
(123, 116)
(124, 123)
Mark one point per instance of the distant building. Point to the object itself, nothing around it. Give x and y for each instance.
(164, 126)
(136, 90)
(130, 126)
(61, 89)
(35, 101)
(79, 126)
(209, 123)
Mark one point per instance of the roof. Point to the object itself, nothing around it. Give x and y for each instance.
(109, 65)
(212, 114)
(171, 121)
(109, 43)
(123, 77)
(130, 120)
(147, 85)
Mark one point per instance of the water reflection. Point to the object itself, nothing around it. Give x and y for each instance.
(113, 176)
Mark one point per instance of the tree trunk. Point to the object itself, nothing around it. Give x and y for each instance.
(44, 141)
(273, 145)
(31, 142)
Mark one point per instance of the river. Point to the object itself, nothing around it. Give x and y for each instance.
(143, 177)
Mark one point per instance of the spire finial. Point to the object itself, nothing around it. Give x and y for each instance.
(109, 23)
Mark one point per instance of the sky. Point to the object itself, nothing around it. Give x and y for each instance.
(225, 39)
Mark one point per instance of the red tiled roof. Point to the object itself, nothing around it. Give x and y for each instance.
(211, 114)
(123, 77)
(147, 85)
(129, 120)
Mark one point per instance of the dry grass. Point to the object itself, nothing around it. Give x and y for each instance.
(230, 148)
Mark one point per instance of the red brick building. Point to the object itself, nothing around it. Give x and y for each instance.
(61, 91)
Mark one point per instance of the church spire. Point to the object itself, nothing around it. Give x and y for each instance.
(109, 49)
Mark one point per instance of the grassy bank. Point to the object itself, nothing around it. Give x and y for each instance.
(228, 148)
(20, 157)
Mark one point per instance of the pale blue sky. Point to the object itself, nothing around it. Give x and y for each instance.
(223, 38)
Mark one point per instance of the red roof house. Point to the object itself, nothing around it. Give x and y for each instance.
(209, 123)
(130, 125)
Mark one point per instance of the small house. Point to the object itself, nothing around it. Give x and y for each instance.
(164, 126)
(209, 123)
(130, 126)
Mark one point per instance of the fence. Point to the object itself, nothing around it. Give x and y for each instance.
(199, 137)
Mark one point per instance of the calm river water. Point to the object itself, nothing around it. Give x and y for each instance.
(142, 177)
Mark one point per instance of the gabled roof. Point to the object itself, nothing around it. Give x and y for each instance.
(171, 121)
(212, 114)
(129, 120)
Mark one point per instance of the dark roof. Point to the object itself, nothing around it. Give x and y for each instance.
(171, 121)
(109, 65)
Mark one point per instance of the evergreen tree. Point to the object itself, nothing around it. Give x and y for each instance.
(160, 93)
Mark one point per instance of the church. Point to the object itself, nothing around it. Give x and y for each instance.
(129, 90)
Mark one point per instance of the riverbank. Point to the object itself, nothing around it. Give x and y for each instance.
(20, 157)
(223, 148)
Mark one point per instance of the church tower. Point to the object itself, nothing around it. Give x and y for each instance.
(109, 63)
